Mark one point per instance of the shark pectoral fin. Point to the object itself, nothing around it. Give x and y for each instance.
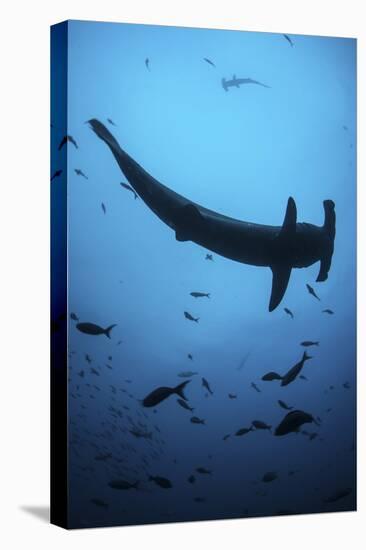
(289, 223)
(280, 278)
(329, 236)
(188, 221)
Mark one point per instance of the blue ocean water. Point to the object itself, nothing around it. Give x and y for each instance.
(242, 153)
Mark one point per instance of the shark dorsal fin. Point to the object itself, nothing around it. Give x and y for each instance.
(280, 278)
(289, 223)
(234, 77)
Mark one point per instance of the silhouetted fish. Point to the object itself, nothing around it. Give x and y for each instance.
(269, 476)
(163, 482)
(123, 485)
(259, 425)
(190, 318)
(129, 188)
(66, 139)
(329, 311)
(295, 370)
(191, 479)
(79, 172)
(74, 317)
(196, 420)
(147, 63)
(202, 470)
(244, 431)
(99, 502)
(206, 385)
(232, 395)
(162, 393)
(111, 122)
(312, 292)
(308, 343)
(283, 405)
(103, 208)
(56, 174)
(209, 257)
(289, 40)
(292, 422)
(190, 356)
(255, 387)
(271, 376)
(289, 312)
(185, 405)
(94, 330)
(200, 294)
(209, 61)
(186, 374)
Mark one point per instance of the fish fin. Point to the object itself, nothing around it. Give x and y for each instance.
(329, 234)
(289, 223)
(187, 222)
(223, 82)
(305, 356)
(108, 330)
(179, 389)
(280, 278)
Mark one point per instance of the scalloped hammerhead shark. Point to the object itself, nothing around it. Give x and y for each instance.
(281, 248)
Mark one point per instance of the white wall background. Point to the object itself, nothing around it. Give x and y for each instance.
(24, 272)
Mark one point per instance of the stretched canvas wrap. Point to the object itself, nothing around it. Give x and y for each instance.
(203, 196)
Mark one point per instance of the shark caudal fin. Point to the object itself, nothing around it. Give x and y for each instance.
(329, 236)
(281, 272)
(224, 85)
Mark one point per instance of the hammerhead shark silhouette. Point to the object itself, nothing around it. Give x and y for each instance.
(237, 82)
(281, 248)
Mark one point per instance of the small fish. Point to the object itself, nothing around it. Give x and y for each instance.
(94, 330)
(185, 405)
(329, 311)
(99, 502)
(259, 425)
(312, 292)
(196, 420)
(271, 376)
(269, 476)
(190, 356)
(122, 485)
(232, 395)
(111, 122)
(163, 482)
(81, 374)
(129, 188)
(190, 318)
(202, 470)
(103, 208)
(191, 479)
(308, 343)
(162, 393)
(187, 374)
(199, 499)
(74, 317)
(79, 172)
(346, 385)
(200, 294)
(209, 61)
(289, 40)
(283, 405)
(56, 174)
(338, 495)
(255, 387)
(206, 385)
(94, 371)
(88, 358)
(243, 361)
(292, 374)
(138, 434)
(226, 437)
(289, 312)
(292, 422)
(302, 377)
(244, 431)
(147, 63)
(209, 257)
(66, 139)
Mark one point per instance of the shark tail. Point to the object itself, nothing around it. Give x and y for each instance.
(305, 356)
(108, 330)
(329, 236)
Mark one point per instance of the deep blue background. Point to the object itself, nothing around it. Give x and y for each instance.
(242, 153)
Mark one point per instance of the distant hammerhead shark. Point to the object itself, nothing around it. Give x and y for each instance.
(236, 82)
(281, 248)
